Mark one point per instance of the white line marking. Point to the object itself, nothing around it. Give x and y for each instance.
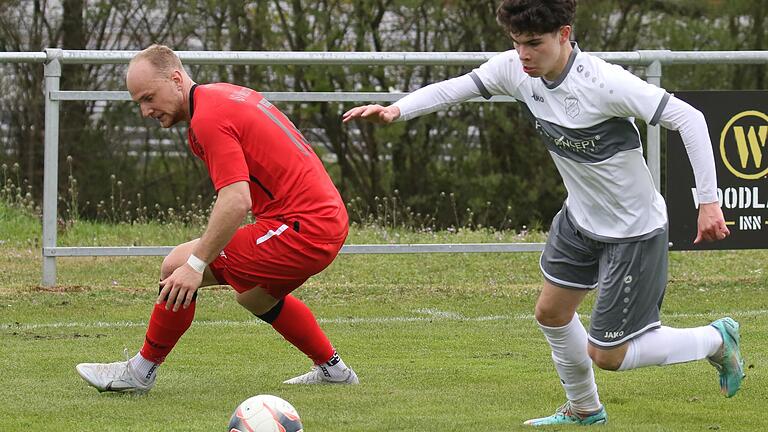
(441, 314)
(434, 315)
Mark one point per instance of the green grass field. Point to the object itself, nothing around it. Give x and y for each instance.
(440, 342)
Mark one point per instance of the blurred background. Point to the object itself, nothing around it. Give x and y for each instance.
(474, 165)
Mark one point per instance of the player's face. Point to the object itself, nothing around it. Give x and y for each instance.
(542, 55)
(159, 97)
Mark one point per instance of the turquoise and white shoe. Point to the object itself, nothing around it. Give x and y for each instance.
(730, 364)
(566, 416)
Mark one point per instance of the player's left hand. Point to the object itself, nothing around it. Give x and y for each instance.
(711, 223)
(180, 287)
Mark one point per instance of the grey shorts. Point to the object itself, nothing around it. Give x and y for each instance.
(630, 277)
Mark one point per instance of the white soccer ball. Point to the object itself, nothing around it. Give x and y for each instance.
(265, 413)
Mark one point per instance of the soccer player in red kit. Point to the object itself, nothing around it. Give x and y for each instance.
(259, 162)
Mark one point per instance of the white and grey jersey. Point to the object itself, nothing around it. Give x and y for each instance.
(586, 118)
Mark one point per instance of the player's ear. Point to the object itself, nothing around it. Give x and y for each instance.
(177, 78)
(565, 34)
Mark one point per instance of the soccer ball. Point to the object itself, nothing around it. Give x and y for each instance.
(265, 413)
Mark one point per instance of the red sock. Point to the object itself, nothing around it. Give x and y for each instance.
(164, 330)
(299, 327)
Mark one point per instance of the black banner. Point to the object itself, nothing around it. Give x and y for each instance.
(738, 128)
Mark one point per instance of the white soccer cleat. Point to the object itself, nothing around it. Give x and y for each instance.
(317, 375)
(114, 377)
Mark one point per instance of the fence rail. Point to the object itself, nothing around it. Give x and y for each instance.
(53, 58)
(641, 57)
(69, 95)
(79, 251)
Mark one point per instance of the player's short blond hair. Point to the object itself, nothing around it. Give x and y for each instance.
(161, 57)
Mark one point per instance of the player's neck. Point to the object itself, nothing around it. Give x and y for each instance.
(187, 95)
(562, 62)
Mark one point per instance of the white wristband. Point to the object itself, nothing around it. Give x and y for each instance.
(197, 264)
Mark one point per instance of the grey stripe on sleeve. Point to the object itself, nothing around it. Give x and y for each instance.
(480, 86)
(657, 115)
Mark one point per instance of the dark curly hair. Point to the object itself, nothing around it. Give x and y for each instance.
(535, 16)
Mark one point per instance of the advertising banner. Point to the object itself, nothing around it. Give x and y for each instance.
(738, 127)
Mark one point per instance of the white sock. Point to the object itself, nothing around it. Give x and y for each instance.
(145, 369)
(667, 345)
(335, 369)
(569, 352)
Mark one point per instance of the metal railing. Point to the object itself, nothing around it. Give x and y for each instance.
(54, 58)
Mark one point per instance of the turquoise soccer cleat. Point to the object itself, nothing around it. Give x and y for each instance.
(566, 416)
(730, 365)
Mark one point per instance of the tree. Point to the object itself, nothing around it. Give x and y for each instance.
(481, 153)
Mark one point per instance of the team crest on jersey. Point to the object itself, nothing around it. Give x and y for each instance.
(572, 107)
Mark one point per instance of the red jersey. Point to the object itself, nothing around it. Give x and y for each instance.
(243, 137)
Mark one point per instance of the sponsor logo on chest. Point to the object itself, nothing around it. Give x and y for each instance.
(565, 143)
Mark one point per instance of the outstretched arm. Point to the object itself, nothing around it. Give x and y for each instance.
(373, 113)
(692, 126)
(423, 101)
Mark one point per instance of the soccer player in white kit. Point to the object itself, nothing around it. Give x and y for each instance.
(611, 233)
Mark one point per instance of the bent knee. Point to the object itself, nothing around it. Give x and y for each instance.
(256, 301)
(551, 317)
(175, 259)
(606, 359)
(609, 364)
(170, 263)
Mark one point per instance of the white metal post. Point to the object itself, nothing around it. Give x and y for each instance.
(653, 75)
(51, 163)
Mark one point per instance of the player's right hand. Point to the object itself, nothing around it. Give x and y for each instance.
(372, 113)
(178, 289)
(711, 224)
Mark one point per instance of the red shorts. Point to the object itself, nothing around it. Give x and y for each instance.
(273, 256)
